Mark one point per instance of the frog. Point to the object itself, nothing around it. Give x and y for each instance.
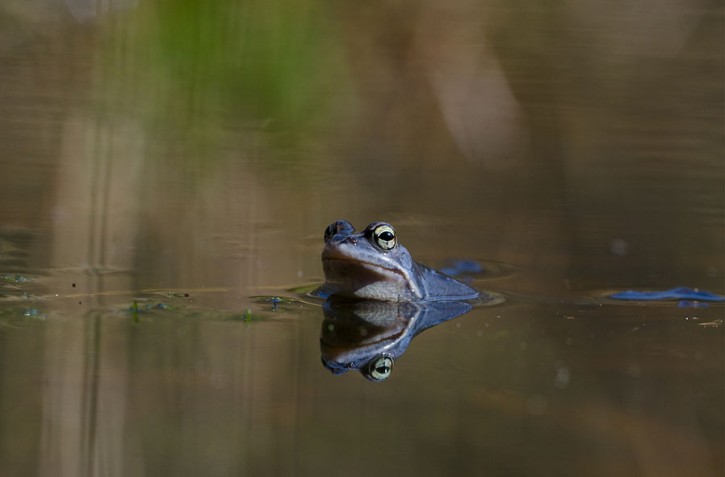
(373, 265)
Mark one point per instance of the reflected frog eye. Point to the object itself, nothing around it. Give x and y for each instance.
(384, 237)
(379, 368)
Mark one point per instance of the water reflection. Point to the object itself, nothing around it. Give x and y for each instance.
(204, 144)
(371, 335)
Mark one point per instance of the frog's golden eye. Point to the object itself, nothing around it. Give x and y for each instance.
(384, 237)
(379, 368)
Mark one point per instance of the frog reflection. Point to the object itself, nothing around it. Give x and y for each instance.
(372, 335)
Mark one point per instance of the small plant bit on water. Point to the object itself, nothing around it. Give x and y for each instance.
(134, 312)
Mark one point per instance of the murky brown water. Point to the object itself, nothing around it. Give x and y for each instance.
(187, 156)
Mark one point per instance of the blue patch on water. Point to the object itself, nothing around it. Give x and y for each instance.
(680, 293)
(460, 267)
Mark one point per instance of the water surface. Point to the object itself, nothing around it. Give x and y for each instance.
(163, 167)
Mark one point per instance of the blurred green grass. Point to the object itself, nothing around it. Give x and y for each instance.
(192, 65)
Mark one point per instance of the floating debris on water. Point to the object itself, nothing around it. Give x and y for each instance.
(276, 301)
(173, 294)
(14, 278)
(134, 312)
(683, 294)
(31, 312)
(247, 316)
(136, 309)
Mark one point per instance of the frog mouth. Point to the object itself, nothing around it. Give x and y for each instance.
(353, 268)
(361, 263)
(349, 274)
(364, 280)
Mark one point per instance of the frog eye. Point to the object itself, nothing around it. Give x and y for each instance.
(338, 227)
(379, 368)
(384, 237)
(329, 231)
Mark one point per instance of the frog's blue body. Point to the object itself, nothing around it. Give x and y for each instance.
(373, 265)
